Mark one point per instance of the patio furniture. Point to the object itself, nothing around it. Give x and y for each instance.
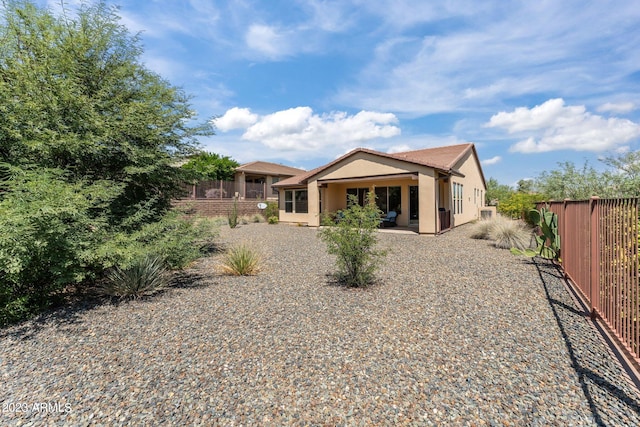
(389, 220)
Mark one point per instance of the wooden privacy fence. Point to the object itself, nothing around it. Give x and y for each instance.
(599, 252)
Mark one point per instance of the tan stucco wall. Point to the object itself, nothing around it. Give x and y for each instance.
(426, 198)
(472, 181)
(365, 164)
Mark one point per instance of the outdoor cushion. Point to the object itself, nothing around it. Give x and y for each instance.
(390, 219)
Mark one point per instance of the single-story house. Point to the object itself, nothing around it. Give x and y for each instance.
(254, 180)
(432, 189)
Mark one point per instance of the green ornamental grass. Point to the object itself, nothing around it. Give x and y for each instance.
(241, 261)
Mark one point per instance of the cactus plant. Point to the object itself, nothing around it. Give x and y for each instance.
(549, 240)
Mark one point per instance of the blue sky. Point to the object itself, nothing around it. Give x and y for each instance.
(531, 83)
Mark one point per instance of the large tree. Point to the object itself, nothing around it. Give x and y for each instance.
(211, 166)
(88, 140)
(75, 96)
(497, 192)
(570, 182)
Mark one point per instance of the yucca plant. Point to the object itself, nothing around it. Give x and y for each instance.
(241, 261)
(144, 277)
(510, 234)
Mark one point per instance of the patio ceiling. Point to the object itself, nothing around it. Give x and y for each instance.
(401, 176)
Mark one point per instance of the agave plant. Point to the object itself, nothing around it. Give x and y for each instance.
(144, 277)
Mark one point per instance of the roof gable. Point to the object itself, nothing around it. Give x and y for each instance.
(441, 158)
(268, 168)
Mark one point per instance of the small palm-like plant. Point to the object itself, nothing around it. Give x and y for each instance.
(241, 261)
(144, 277)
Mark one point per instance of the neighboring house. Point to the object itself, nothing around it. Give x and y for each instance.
(255, 180)
(431, 189)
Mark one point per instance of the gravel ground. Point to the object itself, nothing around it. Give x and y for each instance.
(456, 332)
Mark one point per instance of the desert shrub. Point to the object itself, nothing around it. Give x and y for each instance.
(508, 234)
(54, 235)
(271, 210)
(353, 240)
(47, 237)
(273, 220)
(256, 218)
(241, 261)
(179, 240)
(482, 229)
(145, 276)
(517, 205)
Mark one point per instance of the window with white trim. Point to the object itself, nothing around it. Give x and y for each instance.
(296, 201)
(457, 198)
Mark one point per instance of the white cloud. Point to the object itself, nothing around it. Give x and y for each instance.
(621, 108)
(300, 129)
(235, 118)
(267, 41)
(553, 126)
(492, 161)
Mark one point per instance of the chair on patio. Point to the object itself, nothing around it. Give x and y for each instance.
(389, 220)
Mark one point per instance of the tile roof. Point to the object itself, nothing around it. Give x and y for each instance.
(441, 158)
(268, 168)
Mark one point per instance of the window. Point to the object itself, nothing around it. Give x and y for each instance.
(288, 201)
(275, 179)
(302, 205)
(388, 199)
(360, 193)
(457, 198)
(295, 201)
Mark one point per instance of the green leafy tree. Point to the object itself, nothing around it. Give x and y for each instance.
(625, 176)
(570, 182)
(525, 186)
(75, 97)
(353, 240)
(496, 192)
(211, 166)
(88, 138)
